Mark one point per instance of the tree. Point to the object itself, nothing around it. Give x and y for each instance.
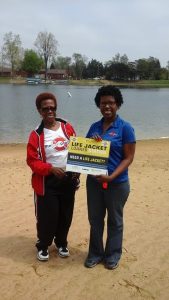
(148, 68)
(117, 71)
(124, 59)
(78, 65)
(32, 63)
(164, 74)
(47, 47)
(154, 68)
(62, 62)
(107, 64)
(167, 67)
(120, 59)
(2, 59)
(132, 70)
(94, 69)
(142, 68)
(116, 58)
(12, 50)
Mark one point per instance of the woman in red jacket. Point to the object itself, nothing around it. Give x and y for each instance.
(54, 187)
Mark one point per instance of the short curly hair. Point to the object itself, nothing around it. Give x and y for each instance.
(109, 90)
(44, 96)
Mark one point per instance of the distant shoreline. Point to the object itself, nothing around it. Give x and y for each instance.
(87, 82)
(152, 140)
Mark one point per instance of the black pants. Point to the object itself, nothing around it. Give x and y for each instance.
(54, 212)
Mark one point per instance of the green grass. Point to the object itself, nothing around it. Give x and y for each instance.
(18, 80)
(4, 80)
(141, 83)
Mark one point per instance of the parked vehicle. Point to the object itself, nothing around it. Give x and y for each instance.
(33, 80)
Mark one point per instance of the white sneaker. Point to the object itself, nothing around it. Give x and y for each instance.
(63, 252)
(43, 255)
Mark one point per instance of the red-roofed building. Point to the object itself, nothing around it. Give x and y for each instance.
(55, 74)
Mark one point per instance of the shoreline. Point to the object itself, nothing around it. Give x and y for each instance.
(86, 82)
(138, 140)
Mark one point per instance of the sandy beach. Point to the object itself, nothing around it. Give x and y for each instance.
(143, 272)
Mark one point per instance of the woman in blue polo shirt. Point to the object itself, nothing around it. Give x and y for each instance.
(109, 193)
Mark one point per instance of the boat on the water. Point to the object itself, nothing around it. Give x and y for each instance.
(33, 80)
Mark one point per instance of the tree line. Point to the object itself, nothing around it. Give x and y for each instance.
(46, 55)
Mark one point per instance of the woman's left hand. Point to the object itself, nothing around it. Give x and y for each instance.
(75, 177)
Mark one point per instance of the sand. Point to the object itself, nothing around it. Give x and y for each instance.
(143, 272)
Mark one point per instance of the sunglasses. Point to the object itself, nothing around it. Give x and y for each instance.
(111, 103)
(48, 108)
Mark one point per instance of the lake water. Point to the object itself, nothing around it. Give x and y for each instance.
(146, 109)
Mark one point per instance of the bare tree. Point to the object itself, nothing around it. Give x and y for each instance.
(62, 62)
(12, 50)
(47, 47)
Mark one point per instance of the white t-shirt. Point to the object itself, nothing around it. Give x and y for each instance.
(56, 147)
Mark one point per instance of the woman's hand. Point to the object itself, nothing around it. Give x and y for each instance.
(103, 178)
(75, 177)
(96, 137)
(58, 172)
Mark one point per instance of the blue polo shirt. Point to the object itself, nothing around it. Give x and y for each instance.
(119, 133)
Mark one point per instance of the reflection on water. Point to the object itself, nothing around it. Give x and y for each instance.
(146, 109)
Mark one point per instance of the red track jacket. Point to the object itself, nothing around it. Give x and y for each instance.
(36, 158)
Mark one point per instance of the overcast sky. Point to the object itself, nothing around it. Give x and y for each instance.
(97, 29)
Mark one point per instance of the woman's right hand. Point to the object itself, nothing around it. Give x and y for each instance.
(58, 172)
(96, 137)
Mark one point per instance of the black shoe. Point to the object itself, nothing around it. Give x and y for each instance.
(90, 263)
(111, 265)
